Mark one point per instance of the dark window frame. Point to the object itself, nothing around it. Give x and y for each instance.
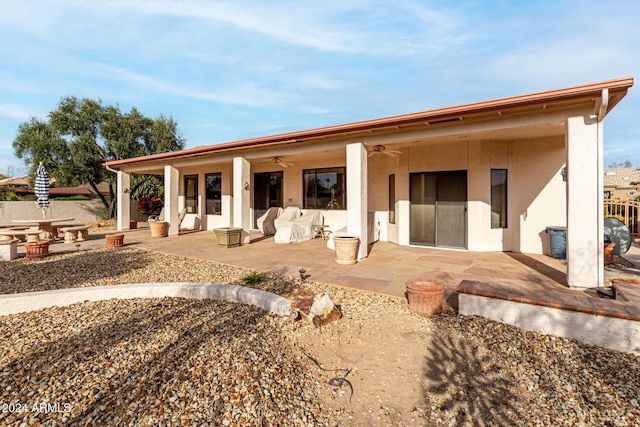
(392, 198)
(499, 198)
(193, 206)
(336, 200)
(216, 202)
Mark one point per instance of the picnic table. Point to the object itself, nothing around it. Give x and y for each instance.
(44, 224)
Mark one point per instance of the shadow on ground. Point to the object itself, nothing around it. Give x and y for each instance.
(155, 362)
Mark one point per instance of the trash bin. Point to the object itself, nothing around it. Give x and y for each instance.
(557, 242)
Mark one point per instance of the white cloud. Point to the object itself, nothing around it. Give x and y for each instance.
(347, 27)
(15, 112)
(248, 94)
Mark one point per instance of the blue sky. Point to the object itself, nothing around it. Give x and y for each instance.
(229, 70)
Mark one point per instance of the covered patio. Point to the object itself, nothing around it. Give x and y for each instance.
(485, 177)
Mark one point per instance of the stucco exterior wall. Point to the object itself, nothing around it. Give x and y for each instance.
(537, 192)
(82, 211)
(203, 219)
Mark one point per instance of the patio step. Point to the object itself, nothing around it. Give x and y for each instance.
(555, 299)
(607, 323)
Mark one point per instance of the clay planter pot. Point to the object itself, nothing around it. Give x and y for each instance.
(425, 295)
(228, 237)
(346, 249)
(133, 225)
(39, 249)
(115, 240)
(159, 228)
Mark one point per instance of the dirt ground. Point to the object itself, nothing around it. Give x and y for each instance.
(386, 360)
(407, 369)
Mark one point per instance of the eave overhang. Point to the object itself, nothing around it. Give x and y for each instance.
(533, 102)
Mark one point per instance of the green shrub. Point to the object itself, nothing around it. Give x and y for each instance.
(10, 196)
(73, 198)
(253, 278)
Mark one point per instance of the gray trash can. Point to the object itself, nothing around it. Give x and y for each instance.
(557, 242)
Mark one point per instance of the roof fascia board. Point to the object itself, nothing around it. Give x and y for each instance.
(617, 89)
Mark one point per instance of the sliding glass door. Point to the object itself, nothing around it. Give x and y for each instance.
(438, 208)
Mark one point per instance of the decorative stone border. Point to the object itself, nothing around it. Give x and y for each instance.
(606, 323)
(30, 301)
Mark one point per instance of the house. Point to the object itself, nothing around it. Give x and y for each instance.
(20, 186)
(486, 176)
(621, 183)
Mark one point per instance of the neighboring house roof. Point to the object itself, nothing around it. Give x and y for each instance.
(21, 181)
(539, 102)
(22, 186)
(621, 177)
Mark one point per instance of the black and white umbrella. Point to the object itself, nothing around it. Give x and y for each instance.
(42, 189)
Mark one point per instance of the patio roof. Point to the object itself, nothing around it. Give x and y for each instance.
(536, 102)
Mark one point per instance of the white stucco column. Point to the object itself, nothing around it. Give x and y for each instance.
(123, 208)
(403, 204)
(200, 222)
(171, 191)
(357, 195)
(585, 266)
(242, 197)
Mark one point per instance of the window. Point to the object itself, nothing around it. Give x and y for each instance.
(213, 182)
(325, 188)
(191, 193)
(392, 199)
(498, 198)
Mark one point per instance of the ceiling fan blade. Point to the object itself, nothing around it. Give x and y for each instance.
(372, 153)
(389, 153)
(393, 151)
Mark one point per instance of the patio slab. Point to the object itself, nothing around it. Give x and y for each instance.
(385, 271)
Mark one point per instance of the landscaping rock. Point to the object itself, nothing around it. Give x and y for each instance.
(318, 309)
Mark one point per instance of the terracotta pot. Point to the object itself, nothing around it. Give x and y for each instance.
(346, 249)
(608, 253)
(115, 240)
(133, 225)
(159, 228)
(425, 295)
(38, 249)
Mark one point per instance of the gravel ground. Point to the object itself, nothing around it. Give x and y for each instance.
(187, 362)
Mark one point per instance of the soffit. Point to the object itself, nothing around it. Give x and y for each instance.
(578, 98)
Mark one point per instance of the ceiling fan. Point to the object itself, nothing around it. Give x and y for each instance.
(278, 161)
(377, 149)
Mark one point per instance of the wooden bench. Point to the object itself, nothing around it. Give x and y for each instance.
(75, 233)
(28, 234)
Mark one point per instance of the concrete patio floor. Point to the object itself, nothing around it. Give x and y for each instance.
(385, 271)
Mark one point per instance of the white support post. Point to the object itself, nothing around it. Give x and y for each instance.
(124, 202)
(242, 197)
(585, 266)
(357, 195)
(403, 215)
(171, 181)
